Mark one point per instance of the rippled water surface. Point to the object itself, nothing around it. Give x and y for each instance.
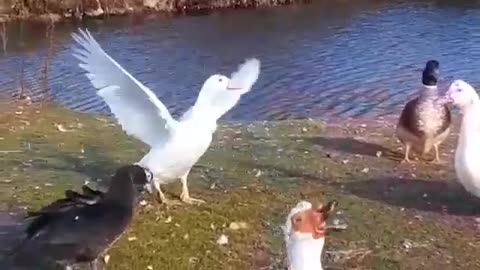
(319, 60)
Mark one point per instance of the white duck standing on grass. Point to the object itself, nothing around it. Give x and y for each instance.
(467, 154)
(305, 235)
(175, 146)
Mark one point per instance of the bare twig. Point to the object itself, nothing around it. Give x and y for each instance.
(3, 35)
(345, 255)
(48, 59)
(10, 151)
(22, 67)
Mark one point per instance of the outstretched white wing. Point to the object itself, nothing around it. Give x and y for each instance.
(139, 112)
(246, 75)
(241, 81)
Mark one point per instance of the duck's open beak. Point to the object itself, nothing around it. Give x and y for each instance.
(233, 88)
(148, 187)
(446, 99)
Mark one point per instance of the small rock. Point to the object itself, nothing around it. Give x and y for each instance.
(379, 153)
(60, 127)
(132, 238)
(407, 244)
(106, 258)
(185, 236)
(345, 161)
(150, 267)
(258, 173)
(365, 170)
(7, 181)
(168, 220)
(143, 202)
(222, 240)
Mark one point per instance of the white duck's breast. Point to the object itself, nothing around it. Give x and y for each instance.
(467, 164)
(186, 146)
(305, 254)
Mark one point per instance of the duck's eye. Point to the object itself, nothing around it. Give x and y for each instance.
(149, 176)
(220, 80)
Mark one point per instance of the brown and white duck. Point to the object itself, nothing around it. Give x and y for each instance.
(304, 232)
(425, 121)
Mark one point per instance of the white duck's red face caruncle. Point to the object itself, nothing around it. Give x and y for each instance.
(313, 221)
(460, 94)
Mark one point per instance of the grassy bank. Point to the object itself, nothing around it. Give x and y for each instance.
(57, 9)
(398, 216)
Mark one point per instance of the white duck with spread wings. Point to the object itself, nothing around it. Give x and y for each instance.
(175, 146)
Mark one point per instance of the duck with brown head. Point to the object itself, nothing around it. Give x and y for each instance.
(424, 122)
(304, 232)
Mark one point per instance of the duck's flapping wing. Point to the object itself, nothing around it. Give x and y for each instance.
(138, 110)
(246, 75)
(240, 82)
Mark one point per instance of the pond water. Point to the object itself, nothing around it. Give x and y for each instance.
(358, 59)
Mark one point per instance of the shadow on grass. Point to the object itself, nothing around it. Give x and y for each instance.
(11, 231)
(424, 195)
(353, 146)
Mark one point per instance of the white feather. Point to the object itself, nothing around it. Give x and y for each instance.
(246, 75)
(138, 110)
(242, 80)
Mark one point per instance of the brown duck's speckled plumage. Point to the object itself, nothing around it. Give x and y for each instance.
(424, 121)
(410, 117)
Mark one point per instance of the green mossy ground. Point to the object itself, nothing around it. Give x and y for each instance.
(399, 216)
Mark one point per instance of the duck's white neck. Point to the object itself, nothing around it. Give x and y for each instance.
(470, 119)
(305, 254)
(429, 87)
(202, 114)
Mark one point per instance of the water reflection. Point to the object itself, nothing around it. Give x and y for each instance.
(325, 59)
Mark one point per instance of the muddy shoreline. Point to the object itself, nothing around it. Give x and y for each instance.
(57, 10)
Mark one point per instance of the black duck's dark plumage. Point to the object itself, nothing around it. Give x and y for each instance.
(75, 230)
(425, 121)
